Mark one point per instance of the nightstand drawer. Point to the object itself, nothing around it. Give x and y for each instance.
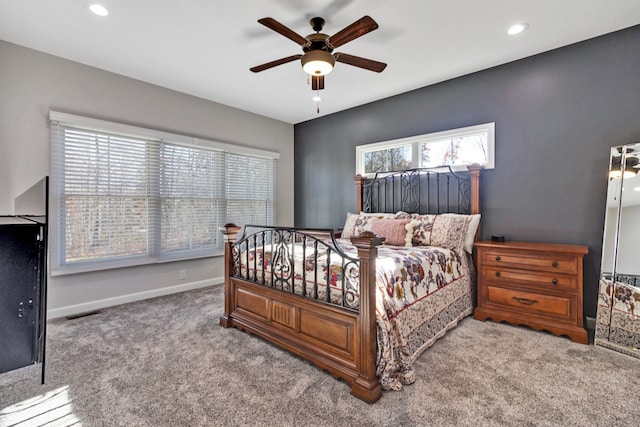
(557, 307)
(541, 262)
(531, 278)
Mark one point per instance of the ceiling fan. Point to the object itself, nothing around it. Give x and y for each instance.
(318, 59)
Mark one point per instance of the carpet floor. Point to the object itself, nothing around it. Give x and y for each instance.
(167, 362)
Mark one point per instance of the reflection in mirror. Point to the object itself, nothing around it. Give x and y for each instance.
(618, 316)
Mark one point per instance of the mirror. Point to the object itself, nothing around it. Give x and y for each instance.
(618, 312)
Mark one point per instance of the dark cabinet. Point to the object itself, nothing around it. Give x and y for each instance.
(22, 315)
(23, 280)
(21, 266)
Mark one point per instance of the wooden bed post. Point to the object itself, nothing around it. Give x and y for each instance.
(230, 232)
(359, 183)
(366, 386)
(474, 203)
(474, 169)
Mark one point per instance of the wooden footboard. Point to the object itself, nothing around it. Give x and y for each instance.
(341, 341)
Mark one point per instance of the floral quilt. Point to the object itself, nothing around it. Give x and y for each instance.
(421, 293)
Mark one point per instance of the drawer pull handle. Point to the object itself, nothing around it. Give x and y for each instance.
(497, 274)
(554, 281)
(498, 258)
(554, 264)
(525, 301)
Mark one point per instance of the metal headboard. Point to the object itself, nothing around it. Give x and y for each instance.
(418, 190)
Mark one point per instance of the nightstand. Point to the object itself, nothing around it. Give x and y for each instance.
(534, 284)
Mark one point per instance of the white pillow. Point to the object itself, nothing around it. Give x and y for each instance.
(470, 237)
(349, 224)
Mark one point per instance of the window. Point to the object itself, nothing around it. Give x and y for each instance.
(122, 195)
(456, 148)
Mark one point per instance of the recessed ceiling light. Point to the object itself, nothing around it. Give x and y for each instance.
(316, 99)
(517, 29)
(636, 188)
(98, 9)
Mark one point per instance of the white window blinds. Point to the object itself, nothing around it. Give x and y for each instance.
(124, 196)
(250, 198)
(191, 198)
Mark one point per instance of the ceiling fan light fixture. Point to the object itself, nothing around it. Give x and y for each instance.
(317, 62)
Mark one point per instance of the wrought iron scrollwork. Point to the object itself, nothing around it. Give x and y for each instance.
(410, 194)
(464, 189)
(282, 259)
(297, 262)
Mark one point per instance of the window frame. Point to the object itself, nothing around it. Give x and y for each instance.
(416, 141)
(59, 265)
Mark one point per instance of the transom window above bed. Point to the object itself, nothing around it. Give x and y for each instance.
(123, 195)
(455, 148)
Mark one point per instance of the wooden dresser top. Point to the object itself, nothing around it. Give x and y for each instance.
(542, 247)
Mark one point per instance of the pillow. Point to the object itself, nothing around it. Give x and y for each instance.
(450, 231)
(422, 226)
(357, 223)
(349, 224)
(423, 229)
(363, 223)
(395, 231)
(471, 232)
(472, 228)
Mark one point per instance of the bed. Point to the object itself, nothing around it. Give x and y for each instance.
(365, 301)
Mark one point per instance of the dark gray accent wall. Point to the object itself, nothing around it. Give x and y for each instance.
(556, 115)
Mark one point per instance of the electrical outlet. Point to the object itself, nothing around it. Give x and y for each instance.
(183, 274)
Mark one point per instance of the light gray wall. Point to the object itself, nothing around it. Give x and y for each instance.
(32, 83)
(557, 114)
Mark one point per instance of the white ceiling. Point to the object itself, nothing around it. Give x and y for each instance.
(206, 47)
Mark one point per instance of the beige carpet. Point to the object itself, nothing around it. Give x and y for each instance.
(166, 362)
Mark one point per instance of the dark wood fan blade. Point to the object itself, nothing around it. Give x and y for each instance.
(282, 29)
(356, 61)
(317, 82)
(359, 28)
(275, 63)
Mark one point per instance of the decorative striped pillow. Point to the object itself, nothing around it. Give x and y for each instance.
(395, 231)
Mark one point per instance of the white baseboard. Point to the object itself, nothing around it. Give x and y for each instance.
(74, 309)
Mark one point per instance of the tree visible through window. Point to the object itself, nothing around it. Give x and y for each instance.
(455, 148)
(388, 159)
(456, 151)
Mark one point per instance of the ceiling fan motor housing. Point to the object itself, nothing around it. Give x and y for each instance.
(317, 41)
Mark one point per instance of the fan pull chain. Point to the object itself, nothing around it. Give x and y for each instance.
(316, 98)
